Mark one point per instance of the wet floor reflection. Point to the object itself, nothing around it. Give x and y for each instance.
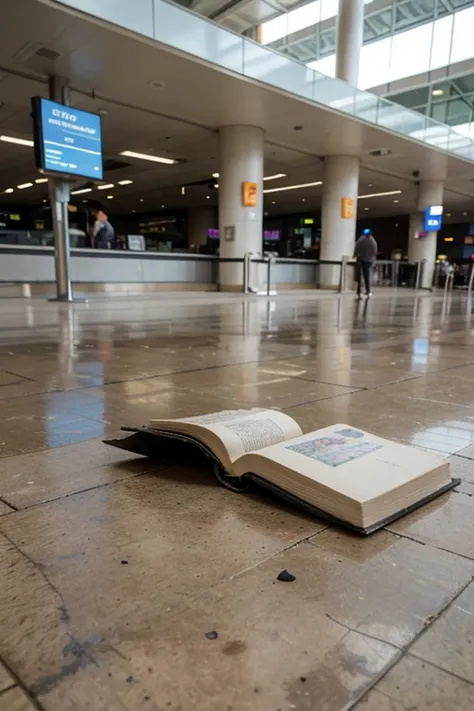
(80, 369)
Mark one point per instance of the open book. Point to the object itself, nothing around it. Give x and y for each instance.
(339, 472)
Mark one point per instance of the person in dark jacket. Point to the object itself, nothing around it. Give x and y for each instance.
(365, 253)
(102, 233)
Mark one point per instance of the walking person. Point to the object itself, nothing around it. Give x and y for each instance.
(365, 253)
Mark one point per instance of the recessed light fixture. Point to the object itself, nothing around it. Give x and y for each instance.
(372, 195)
(370, 185)
(146, 156)
(292, 187)
(273, 202)
(303, 199)
(448, 214)
(125, 182)
(464, 214)
(366, 208)
(215, 175)
(110, 197)
(437, 92)
(208, 197)
(81, 192)
(142, 200)
(24, 185)
(18, 141)
(275, 177)
(107, 186)
(183, 190)
(45, 201)
(396, 201)
(8, 191)
(216, 185)
(163, 207)
(102, 112)
(38, 181)
(133, 210)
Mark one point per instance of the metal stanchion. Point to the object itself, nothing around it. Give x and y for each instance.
(417, 275)
(343, 277)
(269, 266)
(471, 278)
(245, 285)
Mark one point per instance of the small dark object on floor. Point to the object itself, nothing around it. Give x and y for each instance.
(286, 577)
(129, 679)
(124, 562)
(302, 679)
(212, 635)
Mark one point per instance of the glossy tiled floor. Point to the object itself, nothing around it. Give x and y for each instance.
(113, 568)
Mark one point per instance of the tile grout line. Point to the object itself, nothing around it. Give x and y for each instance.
(83, 491)
(406, 650)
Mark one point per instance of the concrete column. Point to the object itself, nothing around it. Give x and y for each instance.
(430, 192)
(340, 180)
(349, 39)
(200, 220)
(240, 228)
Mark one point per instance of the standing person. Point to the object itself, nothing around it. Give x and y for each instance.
(102, 233)
(365, 252)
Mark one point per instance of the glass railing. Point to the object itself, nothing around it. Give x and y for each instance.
(184, 30)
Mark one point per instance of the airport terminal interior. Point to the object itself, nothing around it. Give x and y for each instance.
(182, 185)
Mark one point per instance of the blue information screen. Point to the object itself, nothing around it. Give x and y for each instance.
(70, 140)
(433, 218)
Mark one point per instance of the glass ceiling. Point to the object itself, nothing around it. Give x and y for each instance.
(317, 39)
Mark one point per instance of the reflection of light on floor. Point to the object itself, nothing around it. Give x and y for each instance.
(451, 437)
(74, 416)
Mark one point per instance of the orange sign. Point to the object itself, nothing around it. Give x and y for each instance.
(347, 208)
(249, 194)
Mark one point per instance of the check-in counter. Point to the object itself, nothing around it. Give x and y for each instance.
(132, 272)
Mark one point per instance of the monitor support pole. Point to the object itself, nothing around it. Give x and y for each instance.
(59, 194)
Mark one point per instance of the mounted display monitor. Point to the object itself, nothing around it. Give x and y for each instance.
(271, 235)
(67, 141)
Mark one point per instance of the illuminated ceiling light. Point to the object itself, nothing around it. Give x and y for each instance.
(105, 187)
(183, 190)
(396, 201)
(293, 187)
(142, 200)
(216, 185)
(81, 192)
(215, 175)
(163, 207)
(18, 141)
(8, 191)
(38, 181)
(372, 195)
(275, 177)
(110, 197)
(125, 182)
(366, 208)
(24, 185)
(208, 197)
(146, 156)
(437, 92)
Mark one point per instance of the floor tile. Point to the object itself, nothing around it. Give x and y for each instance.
(447, 522)
(5, 509)
(462, 467)
(6, 679)
(29, 479)
(445, 428)
(15, 700)
(449, 642)
(414, 685)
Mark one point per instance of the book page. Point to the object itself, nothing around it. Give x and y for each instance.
(255, 431)
(348, 460)
(215, 418)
